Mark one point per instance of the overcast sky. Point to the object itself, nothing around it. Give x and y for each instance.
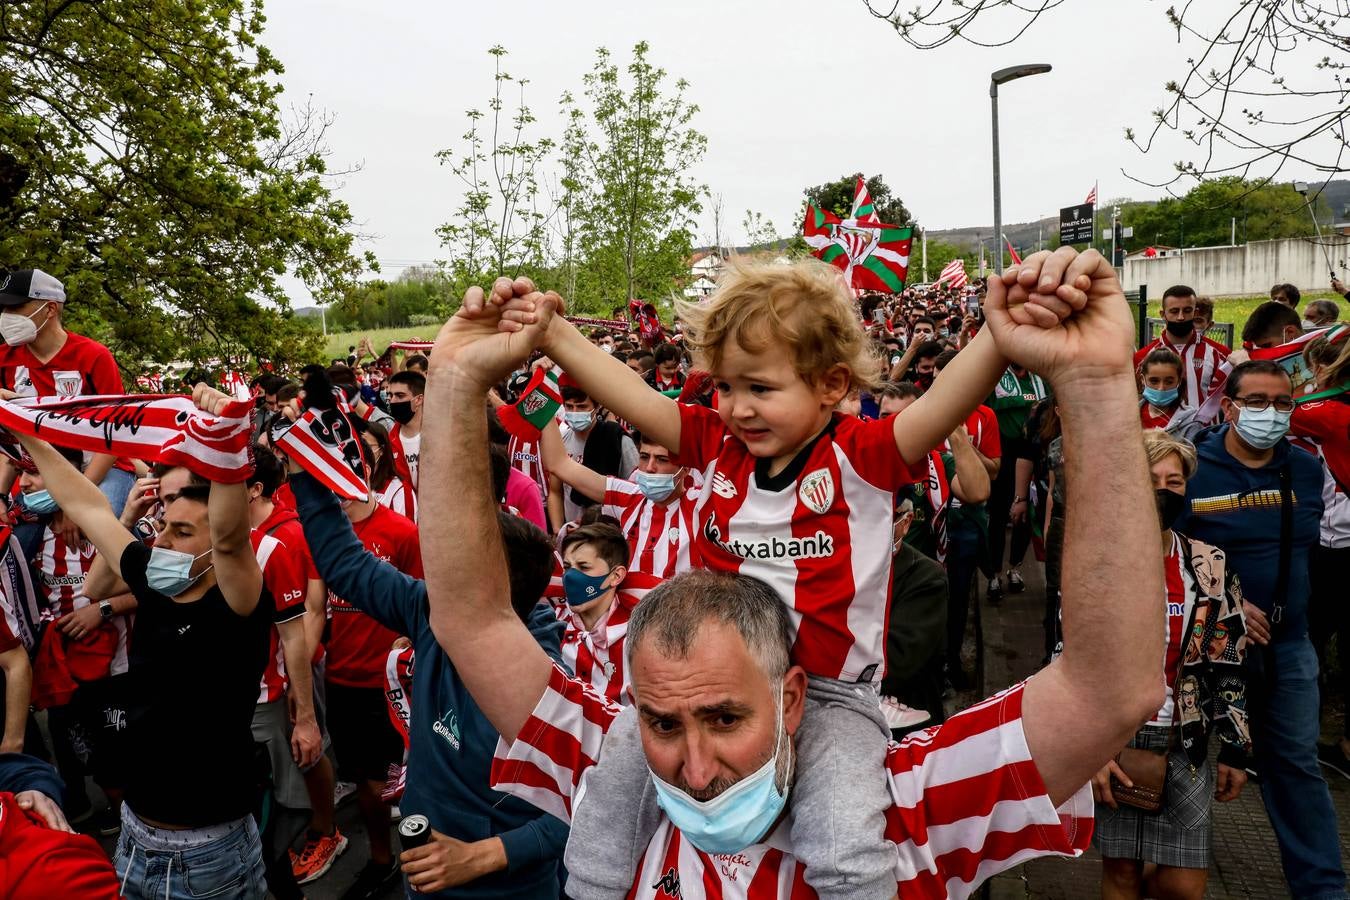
(792, 93)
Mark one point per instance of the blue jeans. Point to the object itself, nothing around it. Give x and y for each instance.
(1285, 729)
(223, 861)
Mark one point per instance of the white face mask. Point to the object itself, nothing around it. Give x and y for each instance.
(18, 330)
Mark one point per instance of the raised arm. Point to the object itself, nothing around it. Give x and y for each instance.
(1084, 707)
(609, 382)
(236, 567)
(970, 481)
(468, 588)
(961, 387)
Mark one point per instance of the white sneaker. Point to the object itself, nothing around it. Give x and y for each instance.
(342, 791)
(898, 715)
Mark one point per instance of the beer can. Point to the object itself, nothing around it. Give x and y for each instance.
(414, 831)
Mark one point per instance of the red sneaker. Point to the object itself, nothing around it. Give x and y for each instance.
(317, 856)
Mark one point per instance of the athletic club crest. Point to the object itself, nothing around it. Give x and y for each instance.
(532, 403)
(68, 383)
(817, 490)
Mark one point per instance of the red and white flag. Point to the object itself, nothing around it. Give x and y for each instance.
(954, 273)
(1012, 254)
(322, 443)
(1092, 196)
(864, 210)
(167, 428)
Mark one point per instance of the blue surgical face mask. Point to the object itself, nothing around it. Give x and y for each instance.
(582, 588)
(656, 487)
(39, 502)
(1160, 398)
(1262, 428)
(170, 571)
(739, 816)
(579, 421)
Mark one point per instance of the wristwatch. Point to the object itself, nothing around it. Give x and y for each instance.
(1020, 499)
(105, 610)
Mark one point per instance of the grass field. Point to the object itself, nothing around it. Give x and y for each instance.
(1226, 309)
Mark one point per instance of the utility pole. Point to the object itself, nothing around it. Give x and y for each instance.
(995, 79)
(923, 240)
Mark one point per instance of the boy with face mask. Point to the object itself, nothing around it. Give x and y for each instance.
(405, 439)
(1201, 358)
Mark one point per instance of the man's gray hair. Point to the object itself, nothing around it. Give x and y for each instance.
(671, 615)
(1328, 310)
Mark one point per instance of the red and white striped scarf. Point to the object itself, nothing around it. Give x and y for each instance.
(164, 428)
(398, 672)
(322, 443)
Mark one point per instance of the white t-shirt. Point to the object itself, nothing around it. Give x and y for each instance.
(412, 448)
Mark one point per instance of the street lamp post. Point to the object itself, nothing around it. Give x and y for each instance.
(1000, 77)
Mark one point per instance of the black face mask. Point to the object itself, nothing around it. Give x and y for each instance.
(924, 379)
(1170, 506)
(402, 411)
(1182, 329)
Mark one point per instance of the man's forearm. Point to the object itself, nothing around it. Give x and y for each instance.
(969, 474)
(296, 652)
(1112, 569)
(1025, 469)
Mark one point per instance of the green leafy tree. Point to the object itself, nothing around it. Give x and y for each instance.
(1210, 213)
(837, 197)
(632, 198)
(151, 168)
(420, 293)
(759, 230)
(499, 228)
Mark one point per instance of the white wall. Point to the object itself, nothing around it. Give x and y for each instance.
(1246, 269)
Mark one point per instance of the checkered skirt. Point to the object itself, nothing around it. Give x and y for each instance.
(1178, 834)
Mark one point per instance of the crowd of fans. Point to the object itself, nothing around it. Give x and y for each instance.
(740, 556)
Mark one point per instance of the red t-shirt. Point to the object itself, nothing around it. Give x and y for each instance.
(81, 367)
(37, 863)
(358, 645)
(982, 427)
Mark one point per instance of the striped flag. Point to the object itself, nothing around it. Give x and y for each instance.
(864, 210)
(322, 443)
(1092, 196)
(167, 428)
(873, 257)
(1016, 260)
(954, 273)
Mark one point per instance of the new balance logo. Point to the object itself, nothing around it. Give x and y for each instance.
(722, 486)
(182, 631)
(817, 545)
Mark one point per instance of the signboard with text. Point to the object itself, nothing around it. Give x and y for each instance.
(1075, 224)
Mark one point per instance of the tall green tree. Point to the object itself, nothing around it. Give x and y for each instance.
(631, 146)
(837, 197)
(158, 177)
(500, 228)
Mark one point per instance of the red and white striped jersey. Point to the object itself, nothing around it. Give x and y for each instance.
(818, 532)
(397, 497)
(1200, 365)
(62, 569)
(525, 457)
(967, 803)
(1324, 426)
(595, 655)
(1148, 419)
(283, 571)
(659, 536)
(1182, 591)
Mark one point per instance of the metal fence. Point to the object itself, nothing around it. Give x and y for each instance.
(1217, 331)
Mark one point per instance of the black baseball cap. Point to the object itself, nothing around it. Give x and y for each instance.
(21, 286)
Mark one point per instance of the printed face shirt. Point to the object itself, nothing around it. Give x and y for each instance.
(967, 799)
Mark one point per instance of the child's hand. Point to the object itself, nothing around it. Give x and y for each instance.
(1061, 313)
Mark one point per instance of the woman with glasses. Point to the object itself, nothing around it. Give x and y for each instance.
(1202, 669)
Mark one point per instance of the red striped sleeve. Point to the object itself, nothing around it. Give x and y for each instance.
(558, 743)
(970, 802)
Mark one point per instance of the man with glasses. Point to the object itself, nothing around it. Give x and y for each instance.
(1259, 499)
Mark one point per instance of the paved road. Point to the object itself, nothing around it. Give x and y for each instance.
(1246, 859)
